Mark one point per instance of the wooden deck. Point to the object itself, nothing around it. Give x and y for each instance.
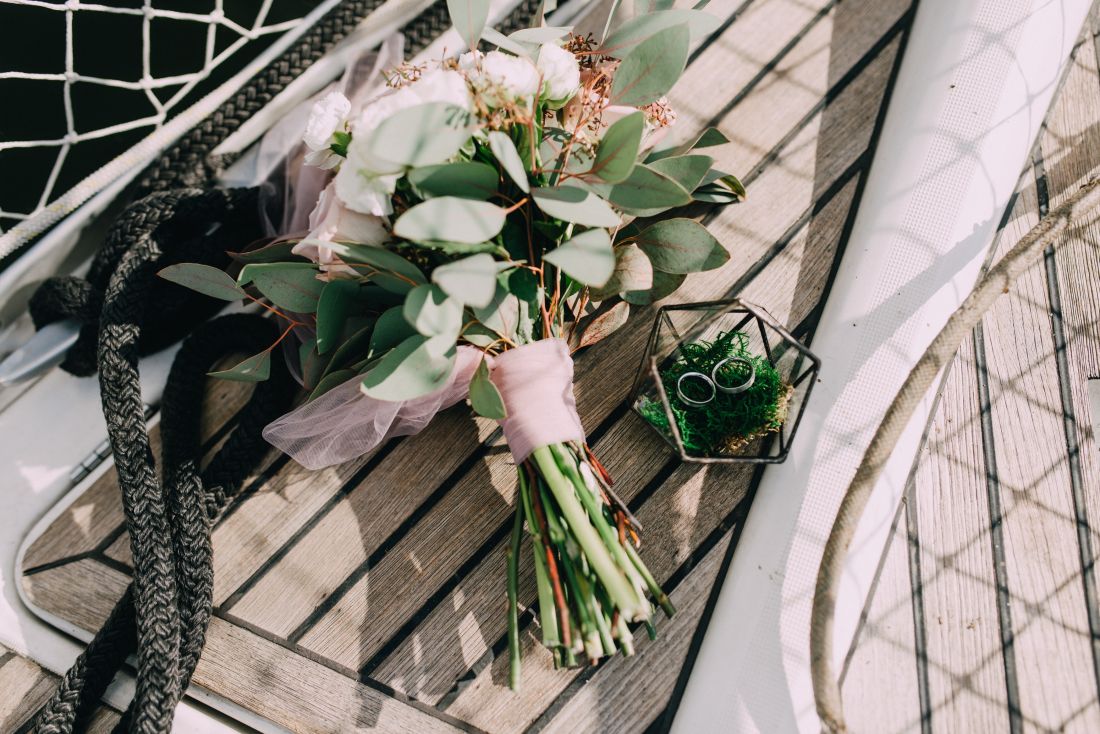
(24, 687)
(371, 595)
(986, 616)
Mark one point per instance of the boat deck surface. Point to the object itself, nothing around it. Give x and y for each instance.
(372, 594)
(986, 615)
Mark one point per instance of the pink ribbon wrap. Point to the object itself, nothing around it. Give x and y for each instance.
(535, 381)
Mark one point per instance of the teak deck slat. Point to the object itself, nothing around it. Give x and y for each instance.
(25, 686)
(949, 497)
(389, 570)
(879, 685)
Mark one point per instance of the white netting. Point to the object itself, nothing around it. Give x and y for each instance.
(84, 81)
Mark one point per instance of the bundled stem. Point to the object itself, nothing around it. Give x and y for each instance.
(591, 580)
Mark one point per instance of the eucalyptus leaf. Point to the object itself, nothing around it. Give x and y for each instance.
(339, 299)
(415, 367)
(462, 248)
(432, 312)
(708, 138)
(604, 324)
(524, 284)
(417, 136)
(378, 261)
(664, 284)
(618, 151)
(485, 398)
(633, 272)
(277, 251)
(471, 281)
(207, 280)
(500, 315)
(312, 365)
(587, 257)
(256, 368)
(390, 330)
(681, 246)
(452, 219)
(469, 17)
(541, 34)
(508, 157)
(646, 192)
(637, 29)
(353, 349)
(651, 68)
(686, 170)
(574, 204)
(498, 39)
(293, 286)
(467, 179)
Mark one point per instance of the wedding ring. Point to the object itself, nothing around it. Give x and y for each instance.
(698, 376)
(733, 389)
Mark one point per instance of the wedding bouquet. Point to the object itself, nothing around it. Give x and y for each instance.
(485, 217)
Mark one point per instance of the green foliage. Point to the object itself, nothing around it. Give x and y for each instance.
(256, 368)
(451, 219)
(471, 281)
(465, 179)
(508, 157)
(207, 280)
(641, 27)
(651, 67)
(729, 421)
(415, 367)
(293, 286)
(417, 136)
(618, 151)
(681, 246)
(468, 18)
(432, 312)
(587, 257)
(574, 204)
(485, 398)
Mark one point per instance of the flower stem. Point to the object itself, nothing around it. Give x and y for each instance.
(621, 592)
(568, 466)
(513, 604)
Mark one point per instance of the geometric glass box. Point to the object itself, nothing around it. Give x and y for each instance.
(770, 371)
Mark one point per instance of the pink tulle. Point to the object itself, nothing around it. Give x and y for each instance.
(344, 424)
(536, 382)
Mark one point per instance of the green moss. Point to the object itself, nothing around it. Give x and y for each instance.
(729, 421)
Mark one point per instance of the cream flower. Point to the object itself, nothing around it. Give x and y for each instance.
(329, 115)
(501, 78)
(561, 75)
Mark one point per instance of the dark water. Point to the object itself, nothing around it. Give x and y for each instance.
(107, 45)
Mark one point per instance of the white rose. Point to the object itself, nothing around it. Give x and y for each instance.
(328, 115)
(442, 85)
(501, 77)
(561, 75)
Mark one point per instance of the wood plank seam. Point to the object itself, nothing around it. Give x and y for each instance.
(1000, 573)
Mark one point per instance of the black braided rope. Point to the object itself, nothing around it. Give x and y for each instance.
(126, 312)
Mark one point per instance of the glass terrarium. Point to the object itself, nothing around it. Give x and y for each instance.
(722, 381)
